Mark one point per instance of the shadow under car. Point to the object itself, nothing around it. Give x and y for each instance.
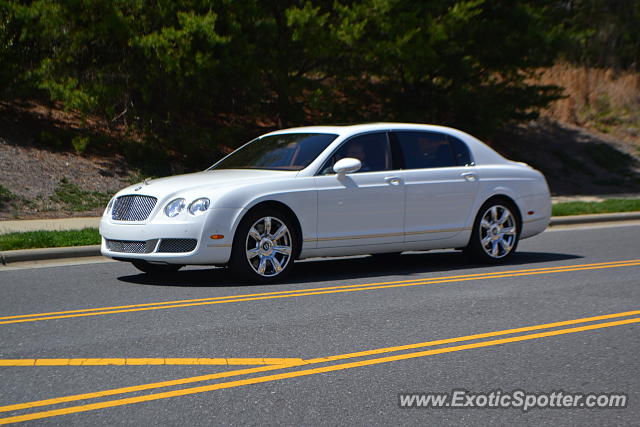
(410, 264)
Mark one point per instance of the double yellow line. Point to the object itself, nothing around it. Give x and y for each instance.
(300, 368)
(146, 361)
(307, 292)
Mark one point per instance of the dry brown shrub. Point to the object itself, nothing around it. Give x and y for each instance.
(591, 91)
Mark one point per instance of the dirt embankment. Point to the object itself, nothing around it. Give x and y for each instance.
(43, 176)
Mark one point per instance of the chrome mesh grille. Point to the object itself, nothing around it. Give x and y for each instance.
(133, 208)
(131, 246)
(177, 245)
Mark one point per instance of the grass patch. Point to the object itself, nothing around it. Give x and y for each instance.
(607, 206)
(49, 239)
(76, 199)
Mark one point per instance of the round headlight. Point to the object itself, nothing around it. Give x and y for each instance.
(174, 207)
(198, 206)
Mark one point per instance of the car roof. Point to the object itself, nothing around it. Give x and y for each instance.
(344, 130)
(482, 153)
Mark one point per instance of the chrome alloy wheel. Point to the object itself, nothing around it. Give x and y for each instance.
(268, 246)
(498, 231)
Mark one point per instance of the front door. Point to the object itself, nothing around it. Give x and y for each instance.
(365, 207)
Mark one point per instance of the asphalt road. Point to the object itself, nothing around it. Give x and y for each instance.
(335, 344)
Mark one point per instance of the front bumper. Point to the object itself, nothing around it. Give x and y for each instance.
(148, 236)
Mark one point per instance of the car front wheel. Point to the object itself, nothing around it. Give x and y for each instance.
(495, 232)
(264, 247)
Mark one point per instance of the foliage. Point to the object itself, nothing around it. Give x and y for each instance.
(603, 33)
(80, 143)
(201, 76)
(74, 198)
(8, 198)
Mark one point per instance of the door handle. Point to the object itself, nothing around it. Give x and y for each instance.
(470, 176)
(393, 180)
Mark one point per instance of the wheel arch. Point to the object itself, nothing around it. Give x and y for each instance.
(472, 248)
(275, 204)
(501, 196)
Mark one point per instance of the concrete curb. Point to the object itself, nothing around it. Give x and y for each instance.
(49, 253)
(595, 218)
(7, 257)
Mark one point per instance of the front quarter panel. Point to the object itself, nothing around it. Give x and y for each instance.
(298, 194)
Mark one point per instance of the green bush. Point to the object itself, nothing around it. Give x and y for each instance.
(175, 73)
(206, 64)
(80, 143)
(74, 198)
(7, 198)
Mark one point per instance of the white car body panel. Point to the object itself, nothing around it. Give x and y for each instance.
(359, 209)
(438, 202)
(359, 213)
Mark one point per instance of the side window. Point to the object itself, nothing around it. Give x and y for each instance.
(371, 149)
(461, 152)
(426, 150)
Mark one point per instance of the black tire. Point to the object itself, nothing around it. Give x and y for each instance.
(150, 268)
(250, 251)
(499, 245)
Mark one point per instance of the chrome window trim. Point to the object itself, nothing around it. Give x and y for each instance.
(449, 138)
(324, 164)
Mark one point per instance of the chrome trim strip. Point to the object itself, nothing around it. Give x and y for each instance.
(367, 236)
(373, 236)
(444, 230)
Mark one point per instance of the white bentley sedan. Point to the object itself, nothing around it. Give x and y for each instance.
(330, 191)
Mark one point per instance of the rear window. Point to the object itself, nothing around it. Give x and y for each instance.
(423, 150)
(461, 152)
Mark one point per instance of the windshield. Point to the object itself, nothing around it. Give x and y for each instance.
(291, 151)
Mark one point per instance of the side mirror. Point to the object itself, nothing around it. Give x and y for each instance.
(347, 165)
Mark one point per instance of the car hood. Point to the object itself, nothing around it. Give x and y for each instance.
(205, 181)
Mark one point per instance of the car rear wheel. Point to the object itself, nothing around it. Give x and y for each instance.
(264, 247)
(150, 268)
(496, 231)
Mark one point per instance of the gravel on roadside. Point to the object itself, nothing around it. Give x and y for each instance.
(34, 173)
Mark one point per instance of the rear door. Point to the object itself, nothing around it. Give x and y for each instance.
(440, 184)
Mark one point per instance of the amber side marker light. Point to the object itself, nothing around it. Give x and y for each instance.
(217, 236)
